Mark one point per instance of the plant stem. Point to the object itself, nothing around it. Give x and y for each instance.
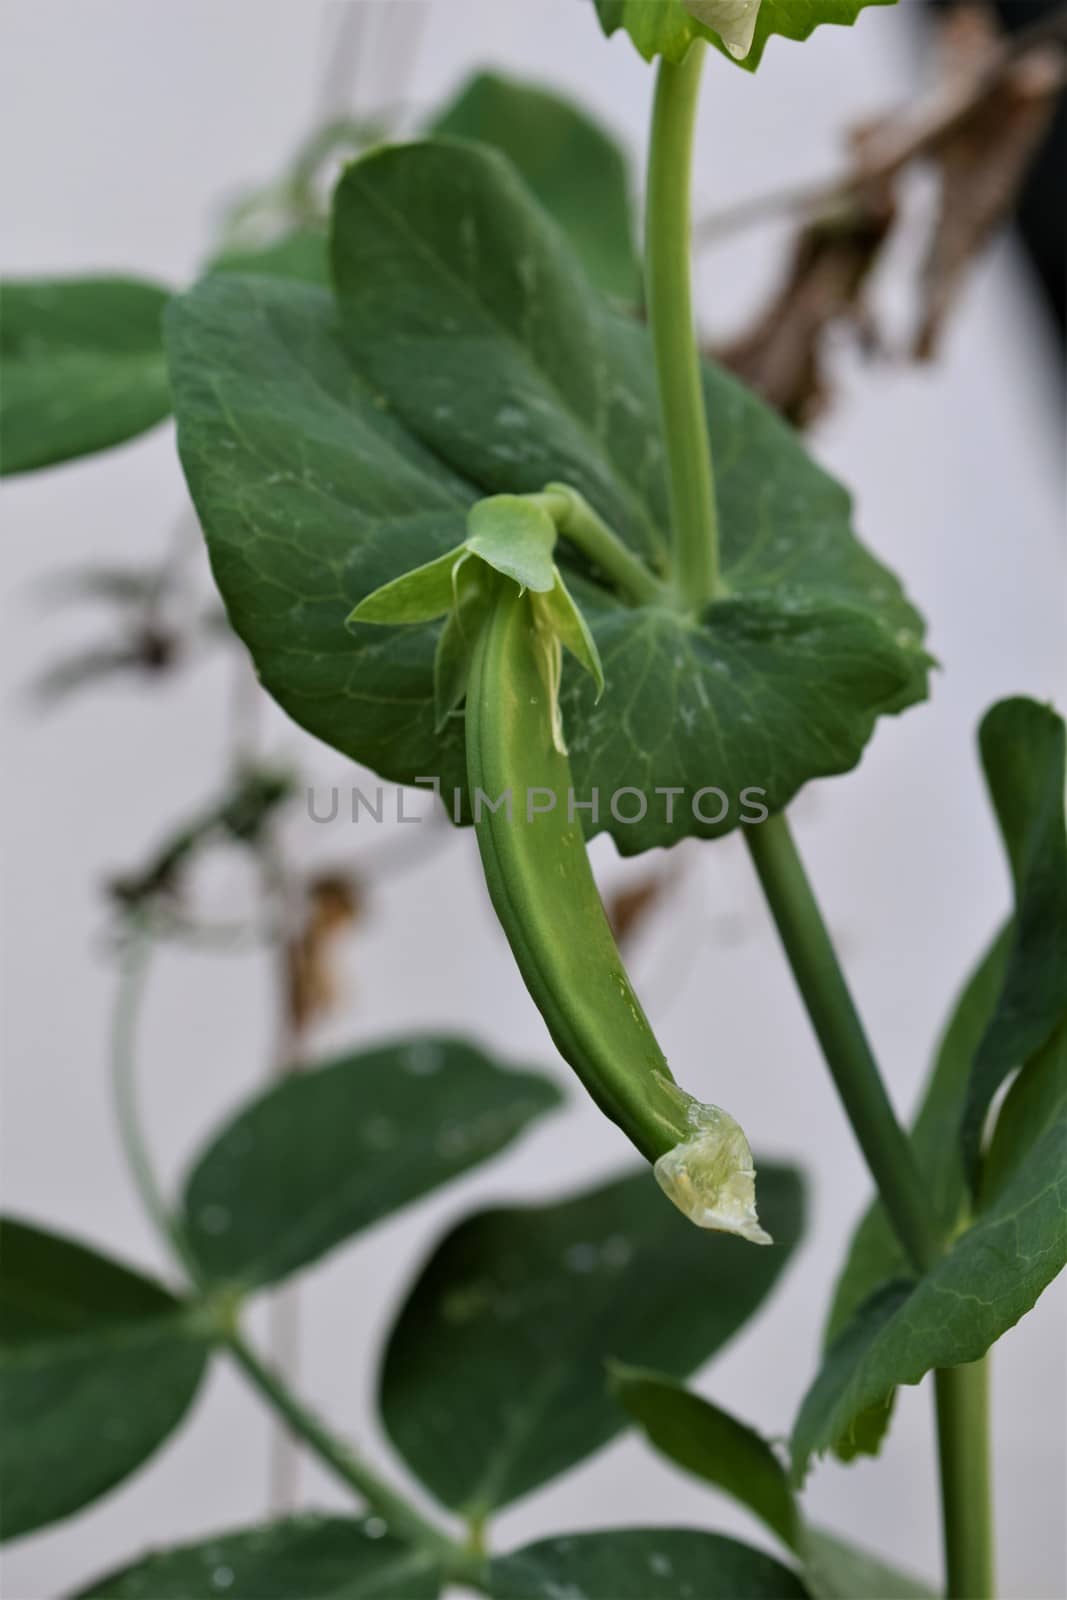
(670, 315)
(402, 1517)
(961, 1392)
(844, 1044)
(966, 1483)
(133, 974)
(576, 520)
(962, 1402)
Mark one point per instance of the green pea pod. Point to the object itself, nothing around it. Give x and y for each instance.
(542, 888)
(509, 617)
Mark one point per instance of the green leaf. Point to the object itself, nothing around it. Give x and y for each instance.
(837, 1570)
(657, 27)
(315, 496)
(1031, 1107)
(576, 169)
(563, 620)
(508, 536)
(97, 1366)
(1023, 748)
(337, 1147)
(313, 1557)
(1011, 1000)
(642, 1564)
(83, 367)
(1015, 995)
(509, 533)
(461, 305)
(494, 1376)
(490, 367)
(455, 644)
(875, 1256)
(991, 1276)
(516, 539)
(713, 1445)
(421, 595)
(301, 254)
(707, 1441)
(668, 27)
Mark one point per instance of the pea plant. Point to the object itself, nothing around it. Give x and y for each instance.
(486, 520)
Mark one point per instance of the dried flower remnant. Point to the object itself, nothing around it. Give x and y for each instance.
(711, 1176)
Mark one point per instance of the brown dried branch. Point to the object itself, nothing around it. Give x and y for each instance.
(983, 160)
(780, 355)
(978, 134)
(907, 136)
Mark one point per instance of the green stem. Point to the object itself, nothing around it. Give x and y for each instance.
(962, 1404)
(961, 1396)
(402, 1517)
(967, 1480)
(822, 985)
(133, 975)
(670, 315)
(966, 1486)
(576, 520)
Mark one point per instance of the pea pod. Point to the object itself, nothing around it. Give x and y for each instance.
(537, 868)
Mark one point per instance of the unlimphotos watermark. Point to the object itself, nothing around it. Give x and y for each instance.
(709, 805)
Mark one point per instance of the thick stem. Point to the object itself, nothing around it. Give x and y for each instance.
(966, 1480)
(670, 316)
(822, 985)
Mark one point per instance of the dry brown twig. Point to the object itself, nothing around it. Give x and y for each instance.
(977, 133)
(982, 162)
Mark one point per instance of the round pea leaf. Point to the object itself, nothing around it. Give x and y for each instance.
(330, 450)
(574, 167)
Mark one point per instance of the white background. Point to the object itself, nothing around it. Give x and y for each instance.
(125, 123)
